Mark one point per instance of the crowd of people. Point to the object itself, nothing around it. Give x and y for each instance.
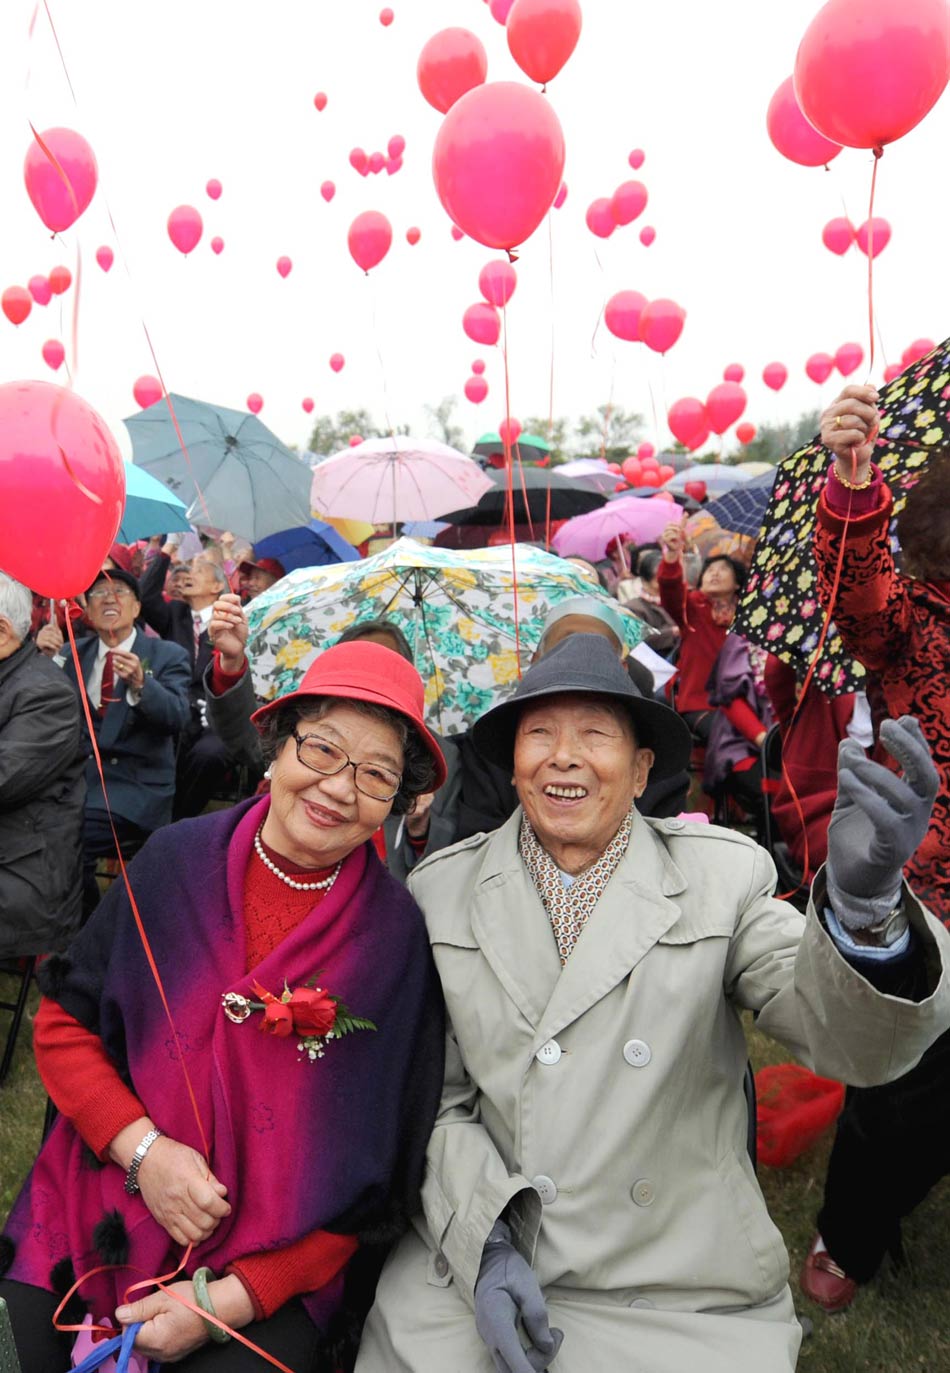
(495, 1116)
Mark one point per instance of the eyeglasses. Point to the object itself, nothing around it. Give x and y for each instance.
(319, 755)
(119, 591)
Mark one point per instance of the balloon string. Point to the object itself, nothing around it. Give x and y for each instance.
(553, 335)
(506, 440)
(878, 154)
(59, 50)
(379, 355)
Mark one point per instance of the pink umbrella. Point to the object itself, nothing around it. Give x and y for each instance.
(590, 536)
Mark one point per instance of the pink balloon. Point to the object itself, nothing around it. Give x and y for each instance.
(328, 191)
(650, 460)
(452, 62)
(497, 281)
(666, 471)
(600, 217)
(561, 196)
(819, 367)
(457, 233)
(916, 350)
(40, 289)
(413, 236)
(622, 315)
(661, 324)
(478, 367)
(637, 159)
(647, 235)
(734, 372)
(320, 100)
(697, 441)
(105, 257)
(500, 9)
(369, 239)
(896, 53)
(476, 389)
(848, 358)
(337, 362)
(185, 228)
(60, 173)
(838, 235)
(214, 189)
(542, 34)
(508, 430)
(217, 245)
(359, 161)
(482, 324)
(791, 132)
(628, 202)
(54, 353)
(881, 231)
(746, 432)
(892, 371)
(255, 403)
(498, 161)
(396, 146)
(16, 303)
(646, 450)
(651, 478)
(685, 418)
(376, 163)
(386, 17)
(724, 405)
(60, 280)
(307, 404)
(284, 266)
(775, 375)
(614, 467)
(632, 470)
(147, 390)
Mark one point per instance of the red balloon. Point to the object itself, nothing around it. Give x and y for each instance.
(600, 217)
(696, 489)
(255, 403)
(698, 439)
(664, 495)
(62, 473)
(40, 289)
(369, 239)
(734, 372)
(337, 362)
(838, 235)
(307, 404)
(393, 165)
(508, 430)
(819, 367)
(724, 404)
(686, 417)
(791, 132)
(60, 280)
(147, 390)
(53, 353)
(646, 450)
(614, 467)
(386, 17)
(376, 163)
(396, 145)
(356, 440)
(917, 350)
(542, 34)
(284, 266)
(16, 303)
(476, 389)
(320, 100)
(849, 358)
(620, 486)
(328, 191)
(647, 235)
(622, 315)
(500, 9)
(214, 189)
(413, 236)
(652, 461)
(651, 478)
(896, 54)
(636, 159)
(775, 375)
(666, 471)
(359, 161)
(481, 323)
(661, 324)
(478, 367)
(105, 257)
(216, 245)
(745, 433)
(632, 470)
(628, 202)
(452, 62)
(185, 228)
(877, 229)
(497, 281)
(60, 173)
(498, 161)
(892, 371)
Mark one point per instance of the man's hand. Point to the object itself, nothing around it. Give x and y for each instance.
(673, 540)
(129, 667)
(851, 422)
(507, 1289)
(49, 640)
(227, 631)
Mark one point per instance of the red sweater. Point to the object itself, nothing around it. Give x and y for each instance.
(85, 1086)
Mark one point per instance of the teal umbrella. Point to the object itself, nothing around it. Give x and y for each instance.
(150, 508)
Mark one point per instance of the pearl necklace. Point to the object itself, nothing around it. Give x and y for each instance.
(325, 885)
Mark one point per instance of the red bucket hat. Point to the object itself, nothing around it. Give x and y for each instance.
(271, 565)
(363, 671)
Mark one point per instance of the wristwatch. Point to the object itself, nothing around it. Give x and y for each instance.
(132, 1175)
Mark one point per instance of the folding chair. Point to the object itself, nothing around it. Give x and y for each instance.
(23, 968)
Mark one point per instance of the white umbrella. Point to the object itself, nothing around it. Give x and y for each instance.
(397, 479)
(589, 472)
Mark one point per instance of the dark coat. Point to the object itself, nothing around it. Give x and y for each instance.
(137, 743)
(174, 621)
(41, 805)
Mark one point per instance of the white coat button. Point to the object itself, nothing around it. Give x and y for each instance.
(644, 1304)
(643, 1192)
(441, 1265)
(549, 1053)
(545, 1188)
(637, 1053)
(675, 824)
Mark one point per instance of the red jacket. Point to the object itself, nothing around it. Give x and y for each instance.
(701, 638)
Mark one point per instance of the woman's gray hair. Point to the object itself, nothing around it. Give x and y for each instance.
(418, 769)
(16, 605)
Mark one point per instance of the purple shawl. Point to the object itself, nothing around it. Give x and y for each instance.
(337, 1144)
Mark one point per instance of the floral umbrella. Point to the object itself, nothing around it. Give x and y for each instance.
(780, 609)
(456, 609)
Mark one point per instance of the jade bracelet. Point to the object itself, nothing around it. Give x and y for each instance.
(199, 1282)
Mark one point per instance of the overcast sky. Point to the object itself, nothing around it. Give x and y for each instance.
(174, 93)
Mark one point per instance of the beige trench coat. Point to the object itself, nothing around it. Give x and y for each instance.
(603, 1105)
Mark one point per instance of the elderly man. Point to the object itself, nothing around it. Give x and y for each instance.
(41, 789)
(257, 576)
(588, 1172)
(138, 694)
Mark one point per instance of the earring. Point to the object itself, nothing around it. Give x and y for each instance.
(267, 775)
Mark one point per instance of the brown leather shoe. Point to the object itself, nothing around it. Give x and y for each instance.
(824, 1282)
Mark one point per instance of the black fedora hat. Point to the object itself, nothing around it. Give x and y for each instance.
(117, 574)
(586, 664)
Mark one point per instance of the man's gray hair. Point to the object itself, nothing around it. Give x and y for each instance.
(16, 605)
(220, 576)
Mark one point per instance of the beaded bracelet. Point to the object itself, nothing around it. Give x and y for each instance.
(855, 486)
(199, 1282)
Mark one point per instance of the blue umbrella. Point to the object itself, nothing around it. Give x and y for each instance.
(313, 545)
(150, 508)
(742, 510)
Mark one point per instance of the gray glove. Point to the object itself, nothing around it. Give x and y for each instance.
(507, 1288)
(878, 823)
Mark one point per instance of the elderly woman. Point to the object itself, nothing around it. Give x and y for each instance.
(588, 1172)
(275, 916)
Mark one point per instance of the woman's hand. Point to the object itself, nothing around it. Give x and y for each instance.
(673, 540)
(181, 1192)
(227, 631)
(169, 1331)
(851, 422)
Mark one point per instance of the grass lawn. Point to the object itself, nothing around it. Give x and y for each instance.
(899, 1323)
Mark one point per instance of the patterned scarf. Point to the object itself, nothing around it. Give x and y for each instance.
(569, 908)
